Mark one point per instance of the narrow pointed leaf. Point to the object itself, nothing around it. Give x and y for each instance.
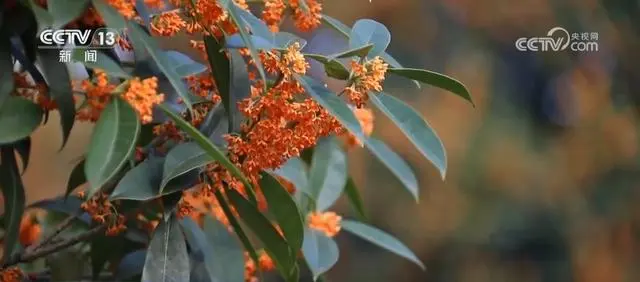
(112, 143)
(355, 198)
(436, 79)
(228, 258)
(209, 147)
(65, 11)
(320, 252)
(395, 164)
(333, 68)
(362, 51)
(274, 244)
(167, 259)
(284, 208)
(181, 159)
(220, 71)
(23, 148)
(381, 239)
(294, 171)
(19, 117)
(76, 178)
(6, 70)
(328, 174)
(60, 90)
(14, 199)
(414, 127)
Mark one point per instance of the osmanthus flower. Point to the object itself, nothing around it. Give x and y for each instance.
(307, 14)
(367, 76)
(168, 23)
(273, 13)
(97, 92)
(265, 263)
(102, 211)
(142, 95)
(12, 274)
(365, 118)
(326, 222)
(30, 230)
(36, 92)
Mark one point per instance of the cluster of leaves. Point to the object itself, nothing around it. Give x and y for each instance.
(180, 249)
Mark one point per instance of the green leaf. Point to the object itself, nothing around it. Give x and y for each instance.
(220, 71)
(227, 262)
(76, 178)
(284, 208)
(345, 31)
(357, 52)
(112, 143)
(6, 70)
(435, 79)
(111, 16)
(320, 252)
(328, 174)
(167, 258)
(43, 16)
(354, 198)
(232, 9)
(337, 108)
(395, 164)
(332, 67)
(414, 127)
(19, 117)
(23, 148)
(65, 11)
(142, 183)
(235, 224)
(181, 159)
(381, 239)
(275, 244)
(151, 46)
(103, 62)
(368, 31)
(257, 26)
(240, 89)
(59, 89)
(284, 39)
(210, 148)
(294, 171)
(14, 199)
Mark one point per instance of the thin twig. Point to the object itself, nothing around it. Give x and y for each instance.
(61, 227)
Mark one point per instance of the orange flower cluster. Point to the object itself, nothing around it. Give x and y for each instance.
(283, 121)
(365, 117)
(126, 8)
(366, 77)
(102, 211)
(327, 222)
(272, 13)
(142, 95)
(265, 263)
(169, 130)
(11, 274)
(155, 4)
(36, 92)
(30, 230)
(306, 17)
(98, 95)
(167, 24)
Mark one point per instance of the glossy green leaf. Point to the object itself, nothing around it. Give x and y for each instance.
(65, 11)
(228, 258)
(142, 183)
(6, 70)
(414, 127)
(435, 79)
(209, 147)
(285, 210)
(320, 252)
(19, 117)
(14, 199)
(112, 143)
(395, 164)
(235, 16)
(151, 46)
(23, 148)
(355, 199)
(381, 239)
(60, 89)
(345, 31)
(167, 259)
(368, 31)
(328, 174)
(361, 52)
(103, 62)
(220, 71)
(274, 244)
(333, 68)
(294, 171)
(181, 159)
(76, 178)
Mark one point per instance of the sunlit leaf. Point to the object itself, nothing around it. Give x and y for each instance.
(167, 259)
(414, 127)
(435, 79)
(112, 143)
(19, 117)
(320, 252)
(284, 208)
(328, 174)
(14, 199)
(381, 239)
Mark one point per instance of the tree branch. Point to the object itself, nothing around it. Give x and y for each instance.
(61, 227)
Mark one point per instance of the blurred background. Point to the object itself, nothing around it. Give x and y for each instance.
(543, 174)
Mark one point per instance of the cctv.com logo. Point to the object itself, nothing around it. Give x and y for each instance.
(559, 39)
